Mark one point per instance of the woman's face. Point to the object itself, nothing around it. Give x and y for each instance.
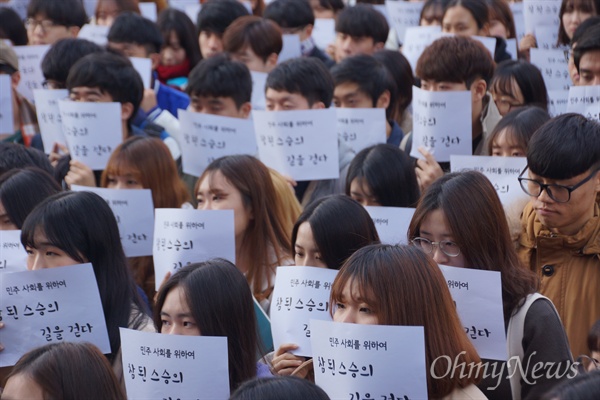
(459, 21)
(123, 181)
(306, 251)
(498, 29)
(361, 192)
(435, 227)
(432, 16)
(20, 386)
(172, 53)
(5, 222)
(508, 101)
(217, 193)
(47, 255)
(504, 145)
(353, 308)
(175, 315)
(573, 16)
(107, 12)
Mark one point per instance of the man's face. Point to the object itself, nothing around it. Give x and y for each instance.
(286, 101)
(210, 43)
(41, 30)
(348, 46)
(222, 106)
(589, 68)
(89, 94)
(130, 49)
(349, 95)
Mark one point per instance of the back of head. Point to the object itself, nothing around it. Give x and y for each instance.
(589, 41)
(290, 13)
(63, 55)
(111, 73)
(130, 27)
(13, 155)
(388, 173)
(279, 387)
(216, 15)
(23, 189)
(362, 20)
(405, 287)
(174, 20)
(584, 386)
(402, 74)
(12, 28)
(263, 36)
(150, 162)
(528, 78)
(221, 76)
(455, 59)
(61, 12)
(339, 225)
(70, 371)
(564, 147)
(371, 76)
(306, 76)
(221, 304)
(521, 124)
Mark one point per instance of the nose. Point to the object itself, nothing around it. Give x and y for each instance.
(119, 185)
(439, 256)
(544, 197)
(214, 42)
(347, 316)
(206, 205)
(35, 262)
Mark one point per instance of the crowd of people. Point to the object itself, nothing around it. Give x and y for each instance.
(546, 250)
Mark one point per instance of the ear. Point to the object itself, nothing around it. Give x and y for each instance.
(597, 184)
(478, 90)
(126, 111)
(245, 110)
(307, 31)
(271, 60)
(155, 58)
(384, 100)
(15, 78)
(319, 105)
(73, 31)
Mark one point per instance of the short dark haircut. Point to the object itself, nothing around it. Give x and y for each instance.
(220, 76)
(61, 12)
(371, 76)
(582, 386)
(216, 15)
(402, 74)
(130, 27)
(307, 76)
(333, 5)
(279, 387)
(111, 73)
(590, 41)
(521, 124)
(173, 20)
(63, 55)
(340, 226)
(477, 8)
(455, 59)
(388, 172)
(363, 20)
(14, 155)
(290, 13)
(583, 27)
(564, 147)
(23, 189)
(263, 36)
(527, 77)
(11, 27)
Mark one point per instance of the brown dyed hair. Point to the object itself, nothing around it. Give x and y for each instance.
(150, 162)
(500, 10)
(455, 59)
(588, 6)
(266, 234)
(262, 35)
(478, 224)
(122, 5)
(70, 370)
(406, 287)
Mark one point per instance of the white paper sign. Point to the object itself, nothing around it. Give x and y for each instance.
(90, 6)
(442, 123)
(391, 223)
(148, 10)
(181, 4)
(403, 14)
(19, 6)
(49, 306)
(511, 48)
(48, 115)
(324, 32)
(301, 294)
(478, 297)
(416, 39)
(361, 127)
(157, 366)
(7, 125)
(183, 236)
(554, 67)
(291, 48)
(354, 361)
(13, 257)
(300, 144)
(383, 10)
(94, 33)
(540, 12)
(519, 17)
(546, 37)
(30, 67)
(488, 42)
(134, 212)
(501, 171)
(557, 102)
(585, 100)
(259, 80)
(144, 67)
(208, 137)
(92, 130)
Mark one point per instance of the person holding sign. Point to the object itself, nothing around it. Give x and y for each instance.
(48, 21)
(63, 371)
(244, 184)
(382, 175)
(77, 227)
(400, 285)
(212, 298)
(586, 57)
(510, 138)
(460, 222)
(213, 19)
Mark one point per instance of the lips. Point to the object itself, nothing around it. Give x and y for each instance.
(544, 211)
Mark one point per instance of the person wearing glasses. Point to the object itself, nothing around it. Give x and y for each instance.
(560, 240)
(460, 222)
(48, 21)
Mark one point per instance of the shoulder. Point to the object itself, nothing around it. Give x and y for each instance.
(174, 95)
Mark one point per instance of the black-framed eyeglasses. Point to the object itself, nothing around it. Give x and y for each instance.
(46, 24)
(558, 193)
(447, 247)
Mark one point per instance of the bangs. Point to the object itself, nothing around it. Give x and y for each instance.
(349, 275)
(120, 166)
(504, 85)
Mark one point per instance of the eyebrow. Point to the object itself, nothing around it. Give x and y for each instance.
(422, 232)
(180, 315)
